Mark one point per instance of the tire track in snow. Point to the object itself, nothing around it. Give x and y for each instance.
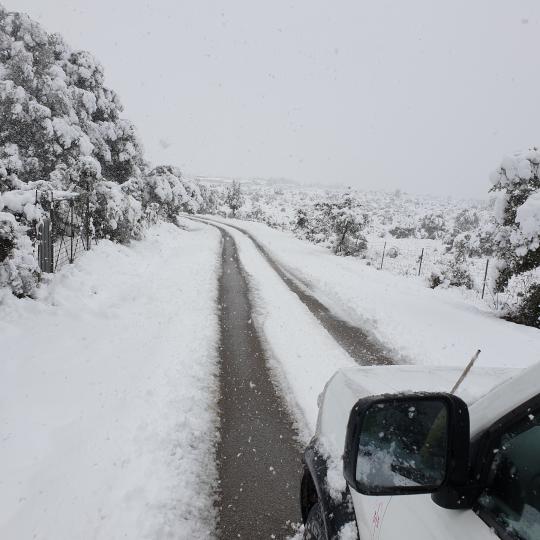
(364, 348)
(259, 462)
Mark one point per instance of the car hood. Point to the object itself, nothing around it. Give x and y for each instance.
(347, 386)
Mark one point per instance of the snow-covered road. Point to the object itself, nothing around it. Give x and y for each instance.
(419, 325)
(358, 343)
(259, 458)
(108, 387)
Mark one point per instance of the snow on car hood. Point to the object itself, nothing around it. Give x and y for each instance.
(348, 385)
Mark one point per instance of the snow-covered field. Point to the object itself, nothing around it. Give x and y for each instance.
(421, 325)
(107, 393)
(449, 242)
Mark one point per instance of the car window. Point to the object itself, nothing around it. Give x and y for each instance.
(512, 496)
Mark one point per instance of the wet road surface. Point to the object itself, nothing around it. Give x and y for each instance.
(259, 461)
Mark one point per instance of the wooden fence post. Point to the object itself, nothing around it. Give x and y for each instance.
(420, 262)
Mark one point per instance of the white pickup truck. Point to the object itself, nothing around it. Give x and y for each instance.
(395, 456)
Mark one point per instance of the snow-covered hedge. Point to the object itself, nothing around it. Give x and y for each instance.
(63, 131)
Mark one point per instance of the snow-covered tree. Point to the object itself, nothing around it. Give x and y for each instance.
(347, 226)
(234, 198)
(301, 220)
(517, 211)
(337, 222)
(54, 107)
(210, 200)
(166, 186)
(517, 240)
(62, 130)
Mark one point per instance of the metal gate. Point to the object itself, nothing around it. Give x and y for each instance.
(65, 234)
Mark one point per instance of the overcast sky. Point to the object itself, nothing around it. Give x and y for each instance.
(422, 95)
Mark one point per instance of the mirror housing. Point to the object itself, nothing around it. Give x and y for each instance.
(381, 433)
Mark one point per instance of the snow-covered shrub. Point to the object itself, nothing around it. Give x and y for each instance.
(472, 234)
(432, 226)
(165, 186)
(18, 268)
(451, 271)
(466, 220)
(256, 213)
(459, 275)
(301, 220)
(353, 245)
(314, 224)
(348, 239)
(234, 197)
(435, 279)
(517, 210)
(477, 243)
(7, 235)
(116, 215)
(527, 309)
(392, 252)
(337, 223)
(20, 211)
(402, 232)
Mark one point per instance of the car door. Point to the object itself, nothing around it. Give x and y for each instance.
(418, 517)
(510, 501)
(509, 504)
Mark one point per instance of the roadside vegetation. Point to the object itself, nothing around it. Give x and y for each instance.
(489, 248)
(63, 135)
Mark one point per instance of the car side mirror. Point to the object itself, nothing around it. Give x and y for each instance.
(406, 444)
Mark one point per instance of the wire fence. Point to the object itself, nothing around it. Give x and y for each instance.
(65, 233)
(427, 260)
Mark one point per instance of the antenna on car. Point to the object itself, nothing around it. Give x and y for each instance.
(465, 371)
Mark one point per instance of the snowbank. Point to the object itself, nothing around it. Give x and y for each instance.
(107, 392)
(422, 326)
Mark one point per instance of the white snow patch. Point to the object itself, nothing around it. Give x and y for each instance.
(349, 531)
(107, 392)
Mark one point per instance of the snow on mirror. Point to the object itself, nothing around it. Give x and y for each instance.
(403, 444)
